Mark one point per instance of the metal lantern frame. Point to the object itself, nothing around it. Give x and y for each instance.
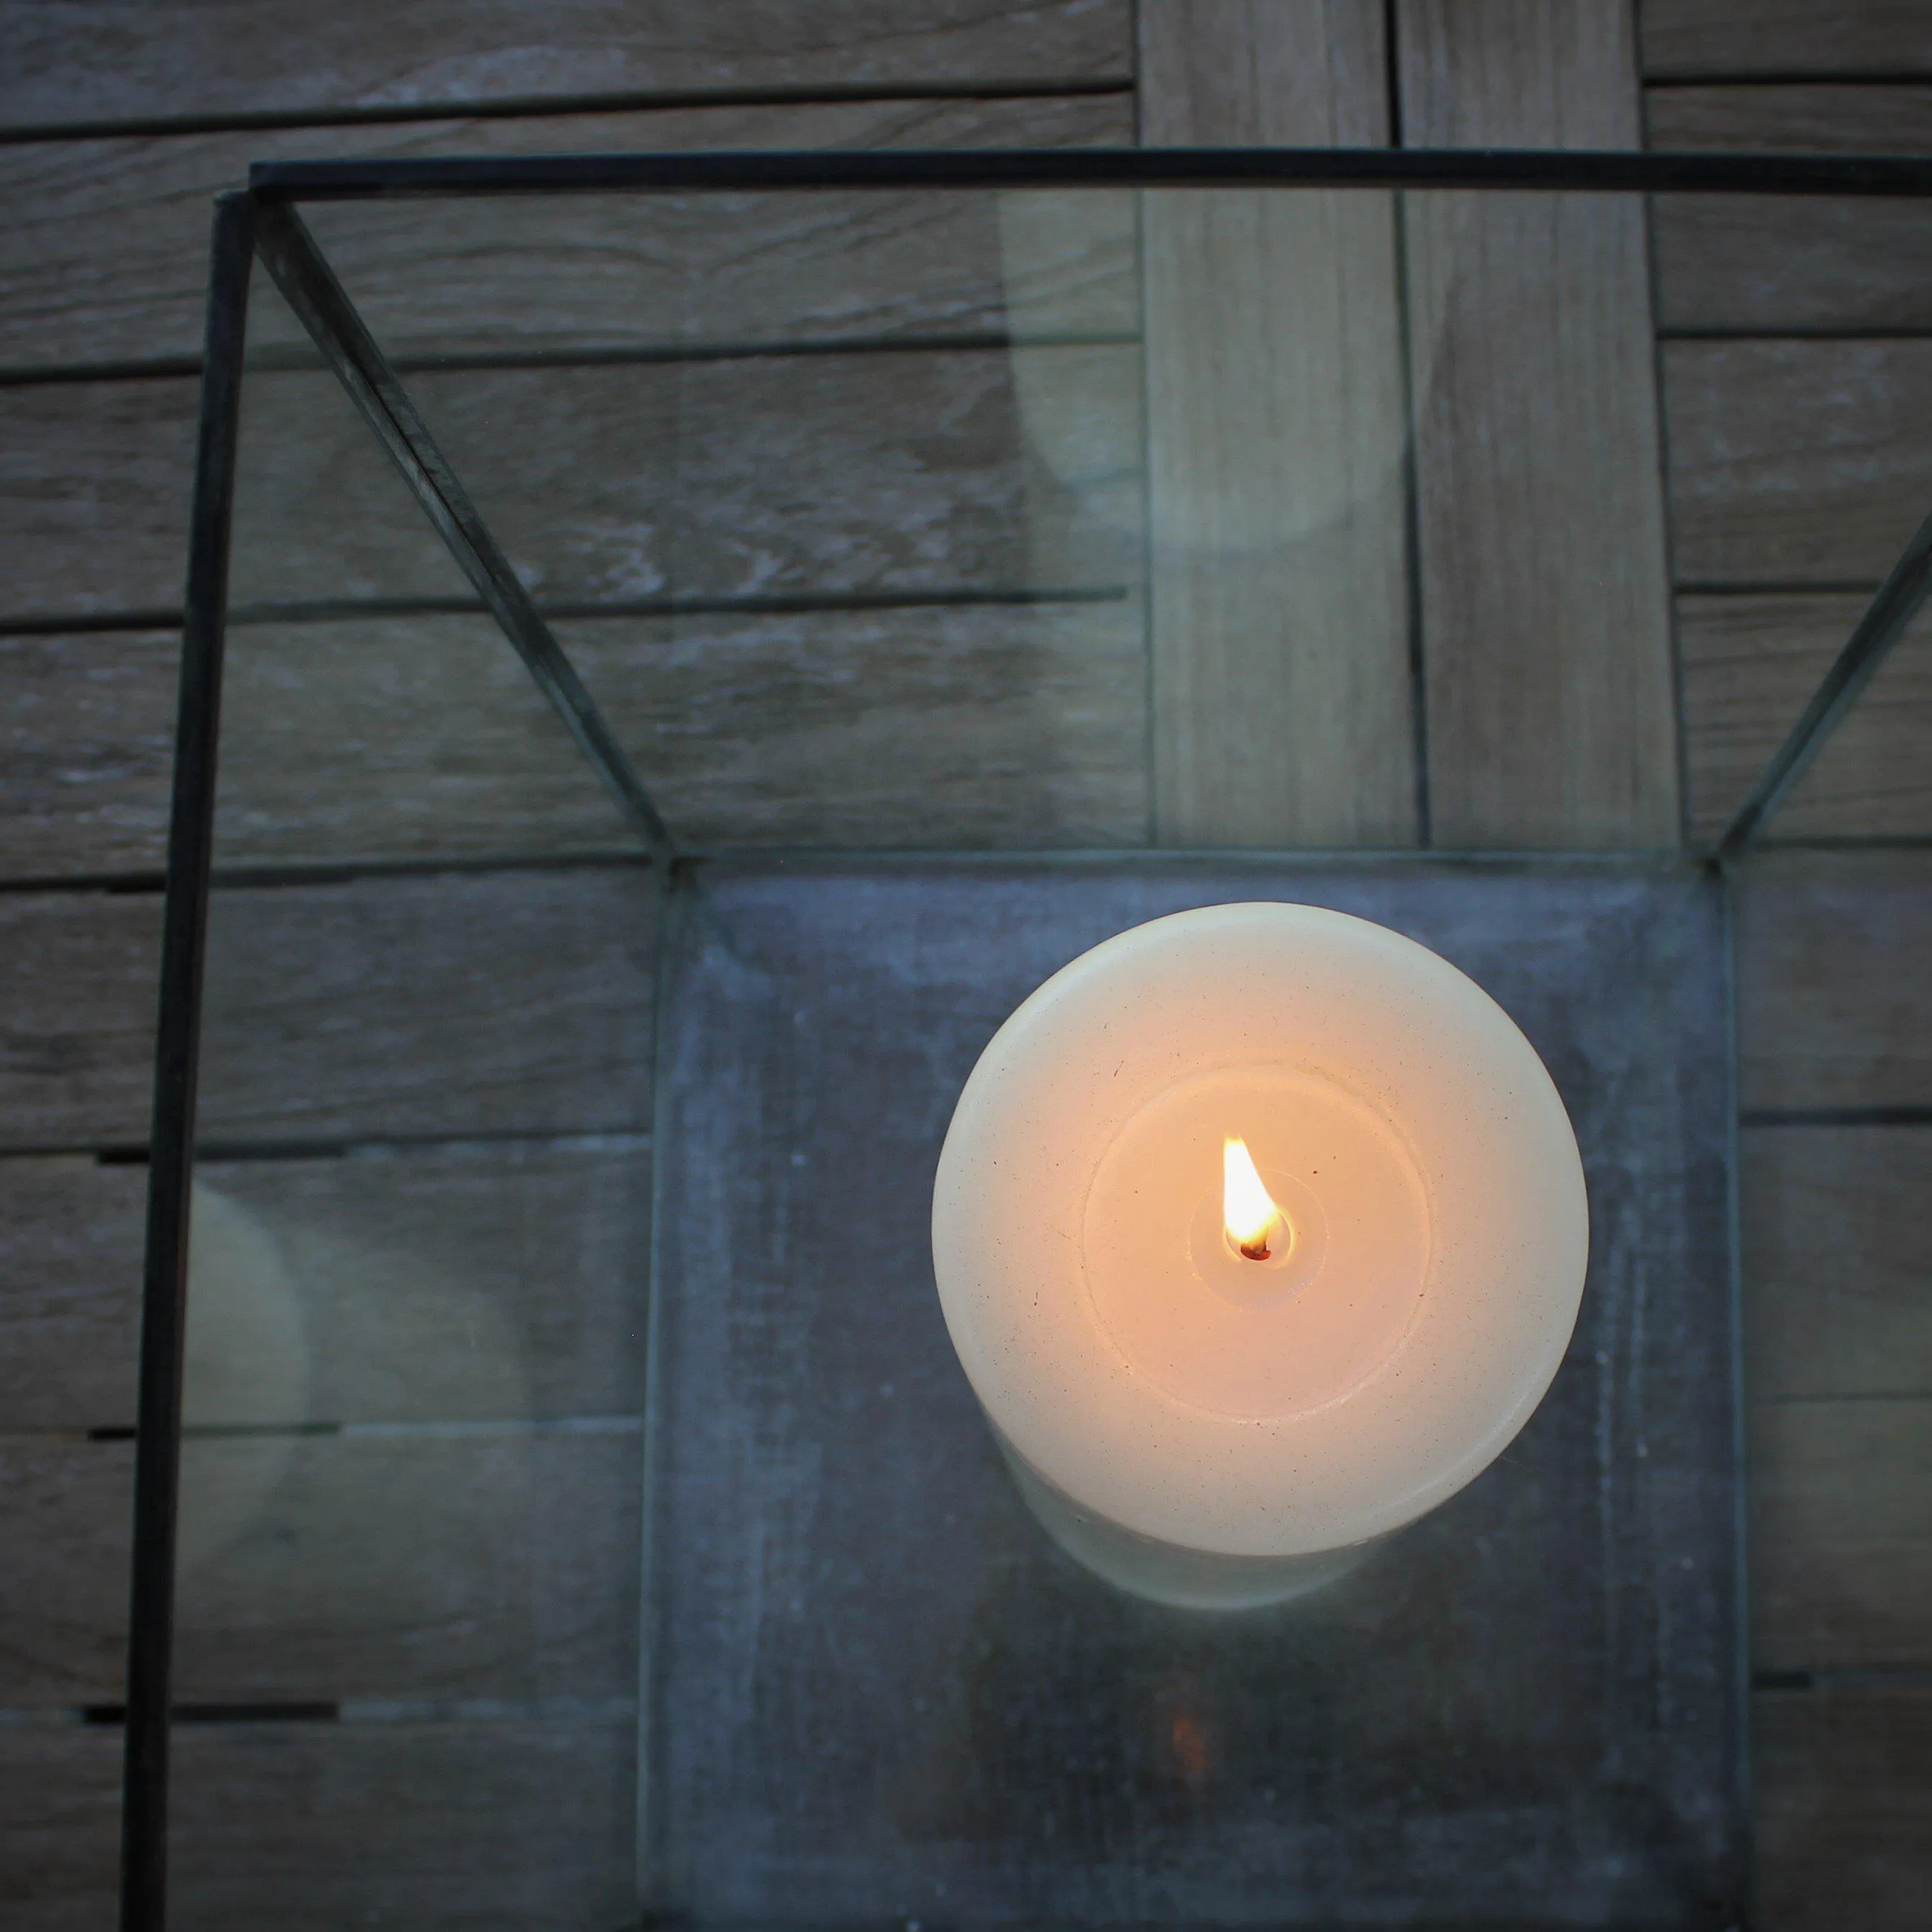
(264, 221)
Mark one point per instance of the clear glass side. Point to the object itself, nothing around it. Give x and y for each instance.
(1834, 1181)
(405, 1652)
(1274, 519)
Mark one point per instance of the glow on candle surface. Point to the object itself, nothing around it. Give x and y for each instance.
(1260, 1230)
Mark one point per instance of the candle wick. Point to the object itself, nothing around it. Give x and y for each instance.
(1256, 1250)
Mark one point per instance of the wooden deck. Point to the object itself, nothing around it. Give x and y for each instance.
(1722, 464)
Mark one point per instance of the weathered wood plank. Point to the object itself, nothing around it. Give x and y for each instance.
(94, 484)
(886, 472)
(64, 1508)
(70, 1234)
(401, 738)
(1842, 1782)
(88, 741)
(1807, 117)
(1749, 665)
(409, 1565)
(770, 475)
(1836, 1259)
(1841, 1533)
(401, 1562)
(424, 737)
(512, 276)
(103, 249)
(1834, 1007)
(110, 60)
(1014, 725)
(1276, 428)
(60, 1820)
(508, 1826)
(1796, 463)
(77, 978)
(513, 1002)
(1792, 264)
(1544, 610)
(465, 1282)
(1734, 262)
(487, 1281)
(1696, 37)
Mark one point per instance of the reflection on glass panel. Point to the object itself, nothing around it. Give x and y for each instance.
(1305, 521)
(409, 1540)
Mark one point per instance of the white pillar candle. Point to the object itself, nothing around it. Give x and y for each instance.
(1213, 1427)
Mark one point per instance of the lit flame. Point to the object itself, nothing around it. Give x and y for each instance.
(1247, 1210)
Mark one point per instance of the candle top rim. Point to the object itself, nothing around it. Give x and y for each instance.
(1192, 977)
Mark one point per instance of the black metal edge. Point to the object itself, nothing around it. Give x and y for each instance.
(1882, 625)
(1578, 170)
(171, 1156)
(290, 253)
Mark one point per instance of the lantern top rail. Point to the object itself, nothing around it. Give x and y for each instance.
(1573, 171)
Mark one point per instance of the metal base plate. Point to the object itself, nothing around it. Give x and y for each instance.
(874, 1688)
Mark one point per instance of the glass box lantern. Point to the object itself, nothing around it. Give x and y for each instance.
(710, 635)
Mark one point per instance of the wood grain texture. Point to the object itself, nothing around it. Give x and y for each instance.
(498, 1825)
(1749, 665)
(1002, 725)
(60, 1820)
(1796, 463)
(374, 1008)
(1841, 1533)
(1843, 1790)
(70, 1235)
(465, 1282)
(102, 251)
(1809, 117)
(77, 978)
(1788, 265)
(395, 1562)
(1785, 37)
(410, 1565)
(492, 1280)
(64, 1511)
(94, 485)
(424, 737)
(1834, 1009)
(88, 741)
(401, 738)
(108, 60)
(757, 477)
(1737, 262)
(504, 1826)
(1517, 73)
(1836, 1255)
(516, 1002)
(1544, 613)
(1278, 580)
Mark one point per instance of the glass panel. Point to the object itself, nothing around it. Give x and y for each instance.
(407, 1596)
(372, 710)
(1872, 778)
(1834, 915)
(1835, 1177)
(1331, 521)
